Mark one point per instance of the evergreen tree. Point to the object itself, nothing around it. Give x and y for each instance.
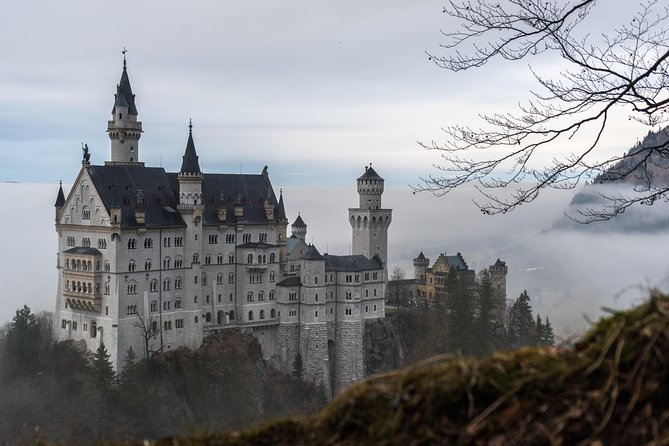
(459, 316)
(298, 367)
(522, 329)
(547, 335)
(484, 333)
(130, 358)
(538, 330)
(102, 370)
(22, 344)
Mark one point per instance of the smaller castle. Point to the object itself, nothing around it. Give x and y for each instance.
(430, 283)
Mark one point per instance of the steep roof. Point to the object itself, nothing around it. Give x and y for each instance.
(290, 281)
(312, 254)
(249, 190)
(351, 263)
(60, 199)
(124, 96)
(190, 162)
(118, 186)
(457, 262)
(299, 223)
(370, 174)
(281, 210)
(81, 250)
(421, 256)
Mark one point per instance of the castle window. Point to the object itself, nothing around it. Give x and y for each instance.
(249, 296)
(204, 279)
(167, 242)
(292, 295)
(366, 276)
(272, 313)
(366, 293)
(262, 314)
(349, 312)
(94, 329)
(147, 265)
(246, 238)
(316, 280)
(250, 315)
(179, 323)
(207, 259)
(232, 315)
(132, 243)
(194, 299)
(178, 263)
(272, 277)
(261, 296)
(272, 257)
(213, 239)
(179, 241)
(330, 310)
(231, 258)
(349, 278)
(357, 277)
(219, 298)
(229, 238)
(366, 308)
(316, 314)
(154, 305)
(219, 260)
(148, 243)
(230, 297)
(131, 266)
(231, 278)
(70, 241)
(167, 325)
(177, 303)
(375, 276)
(132, 288)
(207, 317)
(166, 285)
(195, 279)
(375, 292)
(107, 266)
(374, 307)
(206, 299)
(74, 325)
(85, 213)
(102, 243)
(316, 297)
(86, 242)
(249, 258)
(196, 258)
(166, 305)
(196, 319)
(177, 283)
(106, 289)
(166, 263)
(262, 237)
(63, 323)
(153, 286)
(292, 313)
(219, 278)
(348, 295)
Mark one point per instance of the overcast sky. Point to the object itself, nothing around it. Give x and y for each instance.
(315, 90)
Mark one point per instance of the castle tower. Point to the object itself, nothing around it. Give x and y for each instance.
(370, 221)
(281, 228)
(190, 207)
(299, 228)
(124, 129)
(420, 265)
(498, 273)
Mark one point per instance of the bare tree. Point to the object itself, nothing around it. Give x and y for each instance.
(399, 289)
(149, 329)
(624, 71)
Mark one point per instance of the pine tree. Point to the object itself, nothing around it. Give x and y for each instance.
(130, 358)
(547, 335)
(484, 331)
(522, 329)
(102, 370)
(538, 330)
(459, 316)
(22, 344)
(298, 367)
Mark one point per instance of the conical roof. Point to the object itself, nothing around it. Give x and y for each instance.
(299, 223)
(281, 210)
(190, 162)
(60, 200)
(370, 174)
(124, 96)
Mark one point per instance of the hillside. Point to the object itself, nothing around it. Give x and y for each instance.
(642, 167)
(612, 388)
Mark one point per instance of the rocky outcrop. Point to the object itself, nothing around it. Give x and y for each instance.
(383, 348)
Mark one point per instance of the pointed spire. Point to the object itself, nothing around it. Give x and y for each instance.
(124, 96)
(299, 223)
(60, 200)
(190, 159)
(281, 210)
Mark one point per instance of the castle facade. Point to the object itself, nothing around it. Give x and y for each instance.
(154, 260)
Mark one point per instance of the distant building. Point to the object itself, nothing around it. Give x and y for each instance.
(158, 260)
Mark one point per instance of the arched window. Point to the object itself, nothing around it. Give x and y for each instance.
(219, 317)
(196, 258)
(231, 278)
(262, 314)
(107, 267)
(232, 315)
(250, 315)
(85, 213)
(261, 296)
(204, 279)
(177, 283)
(259, 258)
(132, 243)
(219, 278)
(272, 258)
(78, 264)
(272, 277)
(148, 243)
(131, 266)
(166, 284)
(249, 296)
(271, 295)
(107, 289)
(272, 313)
(167, 263)
(249, 259)
(154, 305)
(153, 286)
(94, 329)
(147, 265)
(207, 317)
(177, 303)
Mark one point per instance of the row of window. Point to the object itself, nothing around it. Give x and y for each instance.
(262, 258)
(73, 325)
(261, 296)
(81, 287)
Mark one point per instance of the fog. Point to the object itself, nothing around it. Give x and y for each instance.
(568, 273)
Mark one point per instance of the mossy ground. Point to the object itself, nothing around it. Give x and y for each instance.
(611, 389)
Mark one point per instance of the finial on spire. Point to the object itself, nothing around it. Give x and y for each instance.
(123, 52)
(190, 126)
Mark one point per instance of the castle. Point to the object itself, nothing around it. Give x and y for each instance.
(154, 260)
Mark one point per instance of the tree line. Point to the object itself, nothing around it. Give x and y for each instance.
(65, 393)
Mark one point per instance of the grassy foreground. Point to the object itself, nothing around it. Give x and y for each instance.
(611, 389)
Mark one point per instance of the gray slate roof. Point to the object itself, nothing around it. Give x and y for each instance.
(257, 245)
(290, 281)
(457, 262)
(119, 184)
(281, 210)
(60, 199)
(299, 223)
(370, 174)
(83, 251)
(190, 162)
(312, 254)
(351, 263)
(124, 96)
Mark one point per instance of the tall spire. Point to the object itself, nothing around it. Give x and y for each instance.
(124, 96)
(124, 129)
(60, 200)
(281, 210)
(190, 162)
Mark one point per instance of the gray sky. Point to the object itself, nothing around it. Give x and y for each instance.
(315, 90)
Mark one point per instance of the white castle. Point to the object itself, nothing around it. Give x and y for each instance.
(155, 260)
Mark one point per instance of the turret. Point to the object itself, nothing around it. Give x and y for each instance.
(370, 189)
(124, 129)
(299, 228)
(420, 265)
(190, 177)
(60, 200)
